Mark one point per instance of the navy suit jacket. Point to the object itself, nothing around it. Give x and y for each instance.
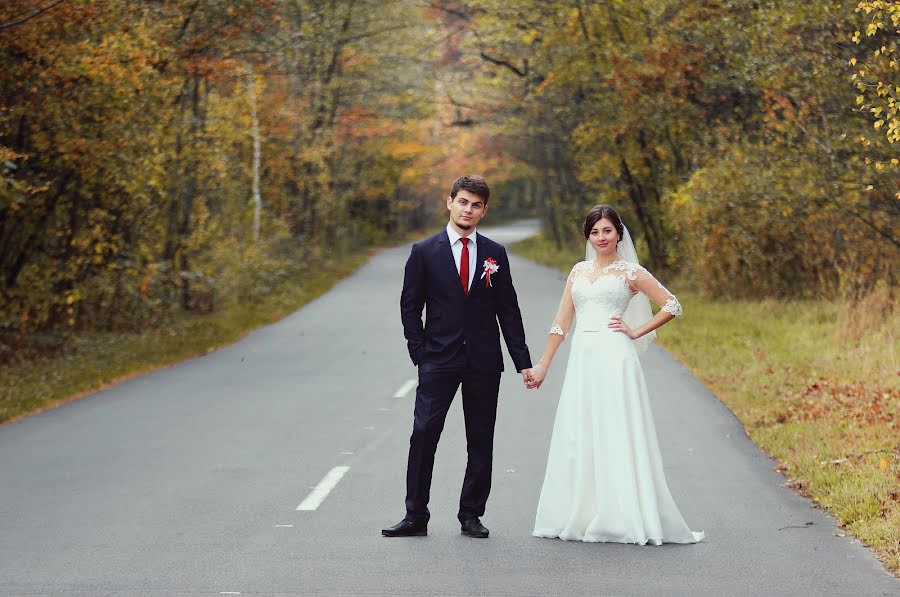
(460, 327)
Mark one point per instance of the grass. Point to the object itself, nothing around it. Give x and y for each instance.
(92, 360)
(815, 384)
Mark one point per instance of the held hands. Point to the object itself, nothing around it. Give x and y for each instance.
(616, 324)
(534, 377)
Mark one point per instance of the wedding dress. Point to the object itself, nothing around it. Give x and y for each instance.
(604, 480)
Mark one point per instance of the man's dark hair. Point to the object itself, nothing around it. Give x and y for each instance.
(473, 183)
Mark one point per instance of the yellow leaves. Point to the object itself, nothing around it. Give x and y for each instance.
(873, 79)
(529, 37)
(883, 464)
(407, 149)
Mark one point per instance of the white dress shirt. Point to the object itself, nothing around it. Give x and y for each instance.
(456, 246)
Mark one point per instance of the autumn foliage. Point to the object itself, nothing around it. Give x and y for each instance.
(750, 146)
(729, 133)
(127, 134)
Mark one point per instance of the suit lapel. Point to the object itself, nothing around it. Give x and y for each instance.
(445, 256)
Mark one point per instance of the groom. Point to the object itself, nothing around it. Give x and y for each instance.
(462, 279)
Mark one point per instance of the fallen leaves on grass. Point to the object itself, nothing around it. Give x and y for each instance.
(860, 403)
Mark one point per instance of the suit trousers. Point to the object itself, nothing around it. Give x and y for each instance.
(434, 395)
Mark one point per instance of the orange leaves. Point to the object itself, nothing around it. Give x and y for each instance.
(856, 403)
(212, 67)
(8, 154)
(362, 122)
(782, 113)
(547, 82)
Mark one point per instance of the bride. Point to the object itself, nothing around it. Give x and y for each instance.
(604, 478)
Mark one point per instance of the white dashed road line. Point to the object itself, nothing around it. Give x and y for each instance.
(405, 388)
(321, 491)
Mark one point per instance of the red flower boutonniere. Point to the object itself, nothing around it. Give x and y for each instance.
(490, 267)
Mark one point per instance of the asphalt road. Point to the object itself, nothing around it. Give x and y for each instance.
(187, 480)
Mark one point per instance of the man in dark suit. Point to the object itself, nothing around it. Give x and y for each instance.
(462, 280)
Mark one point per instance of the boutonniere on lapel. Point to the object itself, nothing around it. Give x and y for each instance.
(490, 267)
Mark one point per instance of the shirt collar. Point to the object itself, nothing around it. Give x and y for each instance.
(454, 236)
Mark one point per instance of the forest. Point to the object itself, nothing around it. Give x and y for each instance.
(176, 173)
(172, 156)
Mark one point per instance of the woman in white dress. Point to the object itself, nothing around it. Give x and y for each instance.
(604, 480)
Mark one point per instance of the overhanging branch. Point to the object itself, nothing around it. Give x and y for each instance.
(523, 72)
(31, 15)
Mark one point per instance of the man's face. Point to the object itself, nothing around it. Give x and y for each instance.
(466, 210)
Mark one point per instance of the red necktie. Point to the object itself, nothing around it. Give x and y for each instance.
(464, 265)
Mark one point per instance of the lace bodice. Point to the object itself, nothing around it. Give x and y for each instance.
(599, 294)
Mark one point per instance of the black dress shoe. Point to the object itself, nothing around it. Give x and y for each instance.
(406, 528)
(474, 528)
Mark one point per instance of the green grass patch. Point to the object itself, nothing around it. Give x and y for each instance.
(86, 361)
(815, 384)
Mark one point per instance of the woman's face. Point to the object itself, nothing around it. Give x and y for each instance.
(604, 237)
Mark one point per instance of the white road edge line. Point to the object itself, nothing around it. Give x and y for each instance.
(321, 491)
(405, 388)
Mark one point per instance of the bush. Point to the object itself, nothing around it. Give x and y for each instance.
(759, 225)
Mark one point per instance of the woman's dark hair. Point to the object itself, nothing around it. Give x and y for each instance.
(474, 184)
(597, 213)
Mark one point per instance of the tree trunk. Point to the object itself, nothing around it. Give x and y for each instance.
(257, 152)
(639, 201)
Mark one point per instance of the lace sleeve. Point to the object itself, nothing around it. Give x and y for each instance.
(646, 283)
(673, 306)
(566, 312)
